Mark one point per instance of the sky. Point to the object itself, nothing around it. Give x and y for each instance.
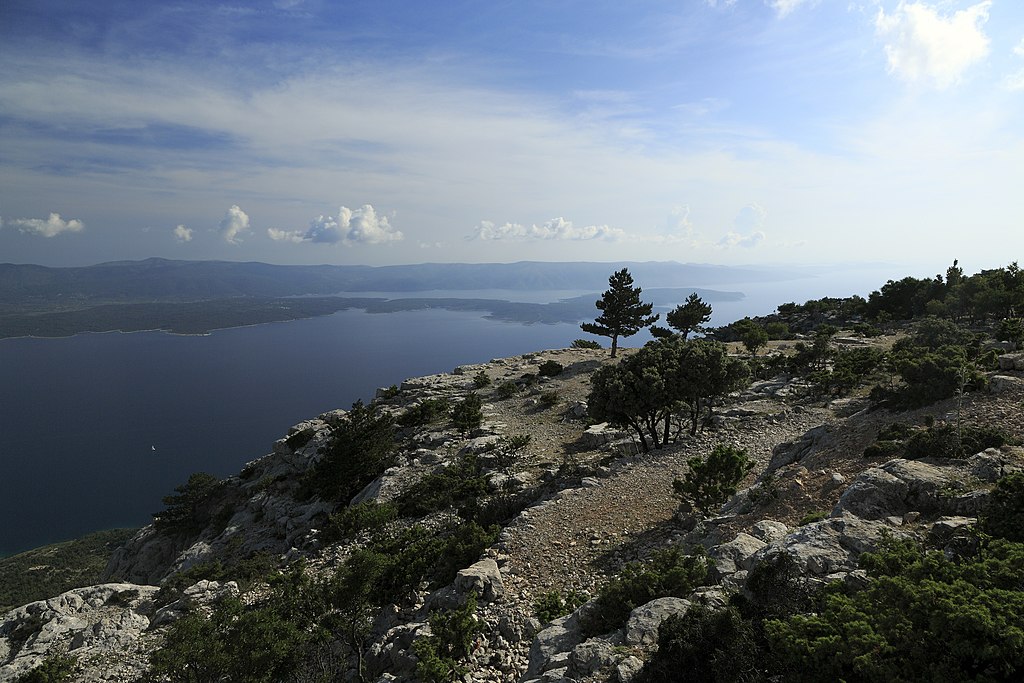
(389, 132)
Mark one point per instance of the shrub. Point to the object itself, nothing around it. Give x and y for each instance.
(425, 412)
(52, 670)
(507, 389)
(812, 517)
(508, 449)
(669, 573)
(946, 441)
(586, 344)
(550, 368)
(389, 393)
(368, 515)
(549, 398)
(711, 481)
(552, 605)
(1003, 515)
(888, 631)
(459, 484)
(466, 414)
(360, 448)
(481, 380)
(190, 509)
(708, 645)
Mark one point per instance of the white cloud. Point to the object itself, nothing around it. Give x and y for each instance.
(554, 229)
(734, 239)
(183, 234)
(720, 3)
(235, 222)
(748, 233)
(922, 45)
(51, 227)
(784, 7)
(359, 226)
(1015, 80)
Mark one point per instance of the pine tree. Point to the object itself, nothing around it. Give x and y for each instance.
(623, 314)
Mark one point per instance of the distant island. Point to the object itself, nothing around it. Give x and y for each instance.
(195, 297)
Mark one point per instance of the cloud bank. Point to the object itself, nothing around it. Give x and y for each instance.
(51, 227)
(359, 226)
(235, 223)
(554, 229)
(924, 46)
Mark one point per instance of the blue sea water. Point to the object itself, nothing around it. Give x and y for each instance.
(95, 429)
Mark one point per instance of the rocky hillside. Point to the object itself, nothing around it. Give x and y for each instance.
(583, 503)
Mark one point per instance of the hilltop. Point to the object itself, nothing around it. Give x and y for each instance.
(580, 502)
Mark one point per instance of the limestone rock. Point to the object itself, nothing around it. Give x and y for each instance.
(590, 657)
(642, 627)
(561, 635)
(736, 554)
(483, 578)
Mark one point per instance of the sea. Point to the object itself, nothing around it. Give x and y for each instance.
(96, 429)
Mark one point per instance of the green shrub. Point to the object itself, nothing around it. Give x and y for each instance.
(507, 389)
(389, 393)
(812, 517)
(52, 670)
(711, 481)
(884, 449)
(368, 515)
(461, 483)
(360, 448)
(922, 617)
(709, 646)
(1003, 515)
(508, 449)
(481, 380)
(466, 414)
(668, 573)
(299, 439)
(550, 368)
(586, 344)
(552, 605)
(946, 441)
(896, 431)
(549, 398)
(191, 508)
(425, 412)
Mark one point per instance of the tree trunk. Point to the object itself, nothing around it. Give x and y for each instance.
(615, 344)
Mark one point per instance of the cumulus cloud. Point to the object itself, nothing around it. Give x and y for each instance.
(51, 227)
(923, 46)
(235, 222)
(359, 226)
(747, 233)
(554, 229)
(183, 234)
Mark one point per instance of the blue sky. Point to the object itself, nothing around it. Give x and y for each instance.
(301, 131)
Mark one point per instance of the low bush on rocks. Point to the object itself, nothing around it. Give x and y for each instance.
(53, 670)
(461, 483)
(481, 380)
(713, 480)
(552, 605)
(366, 516)
(550, 368)
(1004, 514)
(585, 344)
(668, 573)
(450, 643)
(425, 412)
(467, 414)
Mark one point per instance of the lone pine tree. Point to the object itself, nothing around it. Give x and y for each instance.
(623, 314)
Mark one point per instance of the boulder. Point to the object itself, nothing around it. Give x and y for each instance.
(793, 451)
(643, 623)
(590, 657)
(483, 578)
(1011, 361)
(769, 530)
(736, 554)
(897, 487)
(1000, 384)
(560, 636)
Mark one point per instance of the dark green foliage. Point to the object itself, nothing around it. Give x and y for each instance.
(585, 344)
(933, 333)
(451, 642)
(1003, 516)
(481, 380)
(712, 480)
(507, 389)
(425, 412)
(458, 485)
(1011, 330)
(53, 670)
(752, 334)
(922, 617)
(946, 441)
(884, 449)
(550, 368)
(508, 449)
(622, 312)
(466, 414)
(192, 508)
(931, 376)
(689, 316)
(668, 573)
(778, 330)
(552, 605)
(664, 377)
(245, 571)
(812, 517)
(896, 431)
(361, 447)
(366, 516)
(299, 439)
(705, 646)
(390, 393)
(549, 398)
(53, 569)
